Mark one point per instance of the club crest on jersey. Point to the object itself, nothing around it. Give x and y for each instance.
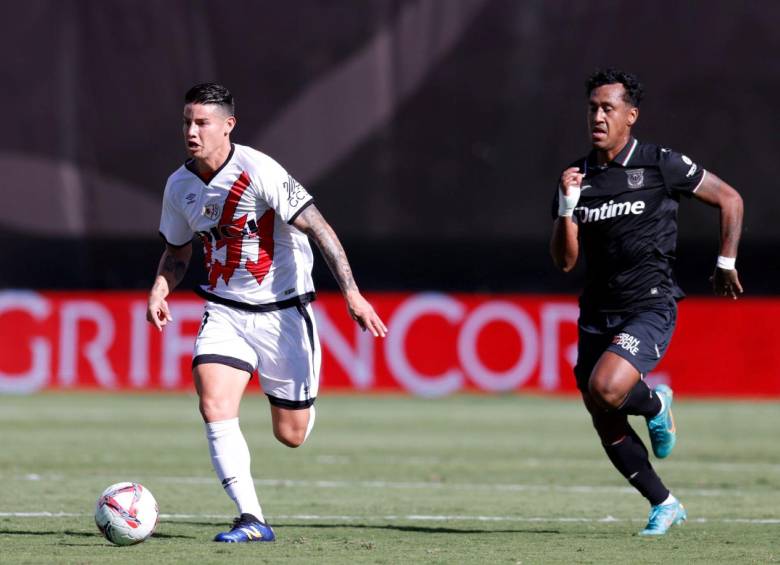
(636, 178)
(212, 211)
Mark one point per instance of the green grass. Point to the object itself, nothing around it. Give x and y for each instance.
(379, 477)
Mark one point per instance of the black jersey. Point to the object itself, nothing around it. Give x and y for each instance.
(627, 224)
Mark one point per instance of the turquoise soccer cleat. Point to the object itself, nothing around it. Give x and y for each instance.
(663, 433)
(663, 517)
(247, 528)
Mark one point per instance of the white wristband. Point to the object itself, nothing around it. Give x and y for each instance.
(726, 263)
(566, 204)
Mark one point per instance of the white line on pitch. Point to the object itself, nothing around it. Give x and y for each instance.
(417, 485)
(405, 518)
(423, 485)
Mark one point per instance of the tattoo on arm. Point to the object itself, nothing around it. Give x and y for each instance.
(314, 225)
(173, 266)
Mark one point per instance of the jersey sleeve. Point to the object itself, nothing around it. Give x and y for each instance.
(681, 174)
(174, 228)
(282, 192)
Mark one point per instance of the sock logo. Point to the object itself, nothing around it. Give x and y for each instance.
(229, 481)
(627, 342)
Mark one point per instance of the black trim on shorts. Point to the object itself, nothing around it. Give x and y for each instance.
(309, 325)
(173, 244)
(310, 332)
(309, 202)
(291, 404)
(300, 300)
(239, 364)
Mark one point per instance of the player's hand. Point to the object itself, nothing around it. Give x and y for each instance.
(363, 313)
(157, 312)
(571, 180)
(725, 282)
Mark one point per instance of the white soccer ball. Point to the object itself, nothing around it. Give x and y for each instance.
(126, 513)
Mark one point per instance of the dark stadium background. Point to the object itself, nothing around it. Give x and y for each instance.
(466, 110)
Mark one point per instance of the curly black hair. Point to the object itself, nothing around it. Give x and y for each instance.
(211, 93)
(635, 91)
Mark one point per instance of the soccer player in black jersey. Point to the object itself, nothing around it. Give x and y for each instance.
(619, 206)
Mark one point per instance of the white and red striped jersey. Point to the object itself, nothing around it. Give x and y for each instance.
(254, 257)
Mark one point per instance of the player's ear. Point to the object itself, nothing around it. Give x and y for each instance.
(230, 123)
(633, 115)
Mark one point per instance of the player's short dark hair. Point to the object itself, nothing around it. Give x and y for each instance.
(211, 93)
(634, 89)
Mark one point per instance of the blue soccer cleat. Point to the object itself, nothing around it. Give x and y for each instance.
(663, 433)
(245, 529)
(663, 517)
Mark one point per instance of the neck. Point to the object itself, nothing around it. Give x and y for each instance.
(604, 156)
(209, 165)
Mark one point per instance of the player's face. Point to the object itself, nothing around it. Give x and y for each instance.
(206, 129)
(610, 117)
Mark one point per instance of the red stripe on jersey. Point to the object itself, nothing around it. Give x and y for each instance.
(234, 244)
(265, 252)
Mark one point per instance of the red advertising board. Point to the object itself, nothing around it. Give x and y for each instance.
(437, 344)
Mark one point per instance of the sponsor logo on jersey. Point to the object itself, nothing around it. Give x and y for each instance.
(609, 210)
(627, 342)
(295, 192)
(636, 178)
(212, 211)
(230, 231)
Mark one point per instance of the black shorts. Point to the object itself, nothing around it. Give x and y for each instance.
(640, 337)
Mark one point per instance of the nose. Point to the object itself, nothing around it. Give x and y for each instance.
(191, 130)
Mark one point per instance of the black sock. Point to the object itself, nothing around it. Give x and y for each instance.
(630, 457)
(641, 401)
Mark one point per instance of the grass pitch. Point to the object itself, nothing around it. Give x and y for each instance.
(466, 479)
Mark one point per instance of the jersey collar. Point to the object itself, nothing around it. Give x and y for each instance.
(622, 159)
(190, 166)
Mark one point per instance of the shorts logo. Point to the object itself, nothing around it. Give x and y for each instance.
(636, 178)
(190, 198)
(212, 211)
(627, 342)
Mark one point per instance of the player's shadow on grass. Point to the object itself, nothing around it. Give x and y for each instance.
(421, 529)
(400, 528)
(70, 533)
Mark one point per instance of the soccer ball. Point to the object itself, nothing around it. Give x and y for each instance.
(126, 513)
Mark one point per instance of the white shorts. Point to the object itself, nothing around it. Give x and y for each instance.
(282, 345)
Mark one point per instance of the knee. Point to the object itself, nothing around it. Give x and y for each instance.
(606, 389)
(291, 436)
(216, 409)
(611, 426)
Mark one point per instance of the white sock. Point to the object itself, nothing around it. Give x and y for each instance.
(669, 500)
(231, 461)
(310, 425)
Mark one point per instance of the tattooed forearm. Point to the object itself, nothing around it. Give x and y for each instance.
(314, 225)
(170, 272)
(173, 268)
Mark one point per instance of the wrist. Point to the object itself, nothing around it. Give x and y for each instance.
(567, 202)
(726, 263)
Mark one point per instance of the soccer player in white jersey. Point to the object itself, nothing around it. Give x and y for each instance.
(253, 220)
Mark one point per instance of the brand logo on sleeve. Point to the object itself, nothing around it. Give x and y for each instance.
(295, 192)
(693, 167)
